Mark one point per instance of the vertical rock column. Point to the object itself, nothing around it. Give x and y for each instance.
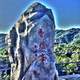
(35, 31)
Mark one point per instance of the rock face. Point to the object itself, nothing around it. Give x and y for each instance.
(30, 45)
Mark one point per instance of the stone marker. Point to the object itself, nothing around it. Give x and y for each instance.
(31, 43)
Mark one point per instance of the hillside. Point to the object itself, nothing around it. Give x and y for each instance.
(2, 40)
(67, 36)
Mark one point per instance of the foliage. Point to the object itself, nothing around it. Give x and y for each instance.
(3, 52)
(5, 60)
(67, 55)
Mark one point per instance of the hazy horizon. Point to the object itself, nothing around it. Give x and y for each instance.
(66, 12)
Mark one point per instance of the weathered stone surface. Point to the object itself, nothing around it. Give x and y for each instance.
(33, 58)
(71, 77)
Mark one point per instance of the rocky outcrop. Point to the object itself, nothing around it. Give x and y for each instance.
(30, 45)
(71, 77)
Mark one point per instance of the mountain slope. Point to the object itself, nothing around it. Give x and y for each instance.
(2, 40)
(67, 36)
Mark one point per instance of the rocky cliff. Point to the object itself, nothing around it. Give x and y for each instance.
(30, 44)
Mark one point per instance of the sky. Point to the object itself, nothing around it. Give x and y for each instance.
(66, 12)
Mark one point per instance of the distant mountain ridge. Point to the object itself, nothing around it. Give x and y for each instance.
(67, 36)
(61, 36)
(2, 40)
